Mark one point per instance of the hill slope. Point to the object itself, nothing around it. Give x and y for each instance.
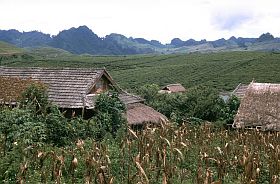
(48, 52)
(223, 71)
(82, 40)
(6, 48)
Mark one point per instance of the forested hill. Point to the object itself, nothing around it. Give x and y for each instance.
(82, 40)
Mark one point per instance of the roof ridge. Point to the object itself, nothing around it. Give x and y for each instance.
(265, 83)
(174, 84)
(54, 68)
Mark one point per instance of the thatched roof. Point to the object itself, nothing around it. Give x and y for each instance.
(67, 87)
(173, 88)
(138, 113)
(10, 95)
(240, 90)
(260, 107)
(126, 98)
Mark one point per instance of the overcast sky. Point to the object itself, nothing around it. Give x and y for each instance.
(151, 19)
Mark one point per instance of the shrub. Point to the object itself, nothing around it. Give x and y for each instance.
(149, 92)
(109, 111)
(19, 126)
(230, 109)
(204, 103)
(59, 130)
(199, 102)
(35, 98)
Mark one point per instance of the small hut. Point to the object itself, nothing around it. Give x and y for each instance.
(260, 107)
(173, 88)
(139, 114)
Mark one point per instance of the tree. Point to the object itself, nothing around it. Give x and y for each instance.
(204, 103)
(230, 109)
(109, 111)
(35, 98)
(149, 92)
(21, 126)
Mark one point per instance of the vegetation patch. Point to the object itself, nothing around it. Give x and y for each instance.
(223, 71)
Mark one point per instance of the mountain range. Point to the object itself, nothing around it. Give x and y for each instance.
(82, 40)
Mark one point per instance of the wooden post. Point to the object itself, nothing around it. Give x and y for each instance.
(83, 109)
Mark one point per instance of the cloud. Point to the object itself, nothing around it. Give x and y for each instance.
(231, 21)
(156, 19)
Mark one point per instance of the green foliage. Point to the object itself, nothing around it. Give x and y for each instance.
(59, 130)
(37, 122)
(6, 48)
(170, 105)
(149, 92)
(198, 103)
(82, 129)
(21, 126)
(223, 71)
(109, 113)
(204, 103)
(230, 109)
(35, 98)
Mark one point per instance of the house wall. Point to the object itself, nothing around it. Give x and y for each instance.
(70, 113)
(102, 85)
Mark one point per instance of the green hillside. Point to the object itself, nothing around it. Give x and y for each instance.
(222, 70)
(48, 52)
(6, 48)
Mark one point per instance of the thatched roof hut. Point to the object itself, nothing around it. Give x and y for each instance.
(77, 88)
(139, 114)
(173, 88)
(240, 90)
(260, 107)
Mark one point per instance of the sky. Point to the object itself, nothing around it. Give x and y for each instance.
(160, 20)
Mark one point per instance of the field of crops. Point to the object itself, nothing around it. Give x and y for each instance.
(167, 154)
(223, 70)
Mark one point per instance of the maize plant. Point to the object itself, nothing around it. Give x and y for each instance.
(165, 154)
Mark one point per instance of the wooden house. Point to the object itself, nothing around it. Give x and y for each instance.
(75, 89)
(260, 107)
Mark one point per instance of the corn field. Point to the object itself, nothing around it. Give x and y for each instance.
(165, 154)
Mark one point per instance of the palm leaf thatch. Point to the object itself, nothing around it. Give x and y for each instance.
(139, 114)
(260, 107)
(240, 90)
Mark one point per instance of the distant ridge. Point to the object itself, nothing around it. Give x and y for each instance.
(82, 40)
(8, 49)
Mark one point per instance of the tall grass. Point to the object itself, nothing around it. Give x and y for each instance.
(165, 154)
